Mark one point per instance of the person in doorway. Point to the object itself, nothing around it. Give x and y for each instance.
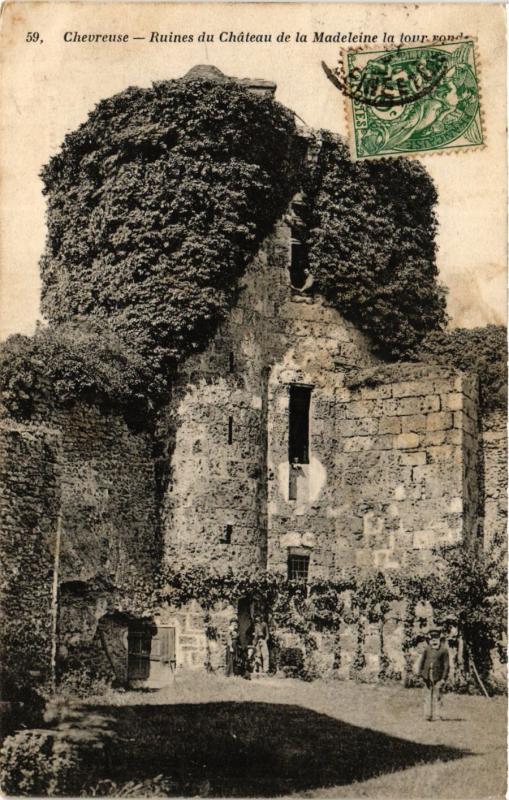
(295, 473)
(232, 648)
(434, 670)
(261, 643)
(307, 287)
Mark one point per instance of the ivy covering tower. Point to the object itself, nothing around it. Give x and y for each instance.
(160, 199)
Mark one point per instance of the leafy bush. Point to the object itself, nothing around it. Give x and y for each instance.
(471, 594)
(20, 705)
(31, 767)
(84, 680)
(70, 363)
(291, 662)
(480, 350)
(57, 761)
(372, 245)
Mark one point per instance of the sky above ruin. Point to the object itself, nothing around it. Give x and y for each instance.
(47, 90)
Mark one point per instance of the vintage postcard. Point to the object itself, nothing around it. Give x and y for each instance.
(253, 267)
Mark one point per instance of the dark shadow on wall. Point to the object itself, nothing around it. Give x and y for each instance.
(253, 749)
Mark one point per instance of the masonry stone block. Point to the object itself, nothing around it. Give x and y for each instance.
(360, 408)
(443, 453)
(439, 421)
(453, 401)
(414, 423)
(383, 391)
(383, 442)
(418, 405)
(424, 539)
(435, 438)
(406, 441)
(413, 389)
(390, 425)
(386, 408)
(413, 459)
(498, 437)
(356, 443)
(357, 427)
(461, 420)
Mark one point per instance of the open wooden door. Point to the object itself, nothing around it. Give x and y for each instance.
(163, 647)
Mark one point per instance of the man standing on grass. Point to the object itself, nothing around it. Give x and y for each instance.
(232, 648)
(434, 669)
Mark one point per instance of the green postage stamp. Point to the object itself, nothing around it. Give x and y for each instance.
(419, 99)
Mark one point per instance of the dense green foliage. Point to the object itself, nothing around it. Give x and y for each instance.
(372, 245)
(57, 761)
(480, 350)
(27, 571)
(466, 594)
(159, 200)
(155, 206)
(68, 363)
(472, 593)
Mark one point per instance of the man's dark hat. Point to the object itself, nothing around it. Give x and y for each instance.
(434, 633)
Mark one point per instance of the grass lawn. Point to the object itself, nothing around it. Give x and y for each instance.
(214, 737)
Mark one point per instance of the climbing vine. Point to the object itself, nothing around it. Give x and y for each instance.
(155, 206)
(456, 600)
(470, 597)
(479, 350)
(159, 200)
(372, 245)
(70, 363)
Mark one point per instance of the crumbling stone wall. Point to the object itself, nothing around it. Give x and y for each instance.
(109, 515)
(97, 475)
(493, 475)
(29, 504)
(392, 469)
(219, 421)
(392, 466)
(200, 637)
(391, 474)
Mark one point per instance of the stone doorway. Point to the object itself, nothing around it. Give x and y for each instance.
(245, 618)
(151, 653)
(139, 644)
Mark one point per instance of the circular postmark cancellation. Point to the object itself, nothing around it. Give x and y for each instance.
(411, 99)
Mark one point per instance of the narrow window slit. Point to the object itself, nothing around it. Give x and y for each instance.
(227, 534)
(232, 362)
(298, 264)
(298, 429)
(230, 430)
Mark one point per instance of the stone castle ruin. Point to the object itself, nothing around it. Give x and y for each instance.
(286, 447)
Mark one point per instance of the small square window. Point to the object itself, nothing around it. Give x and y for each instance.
(298, 568)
